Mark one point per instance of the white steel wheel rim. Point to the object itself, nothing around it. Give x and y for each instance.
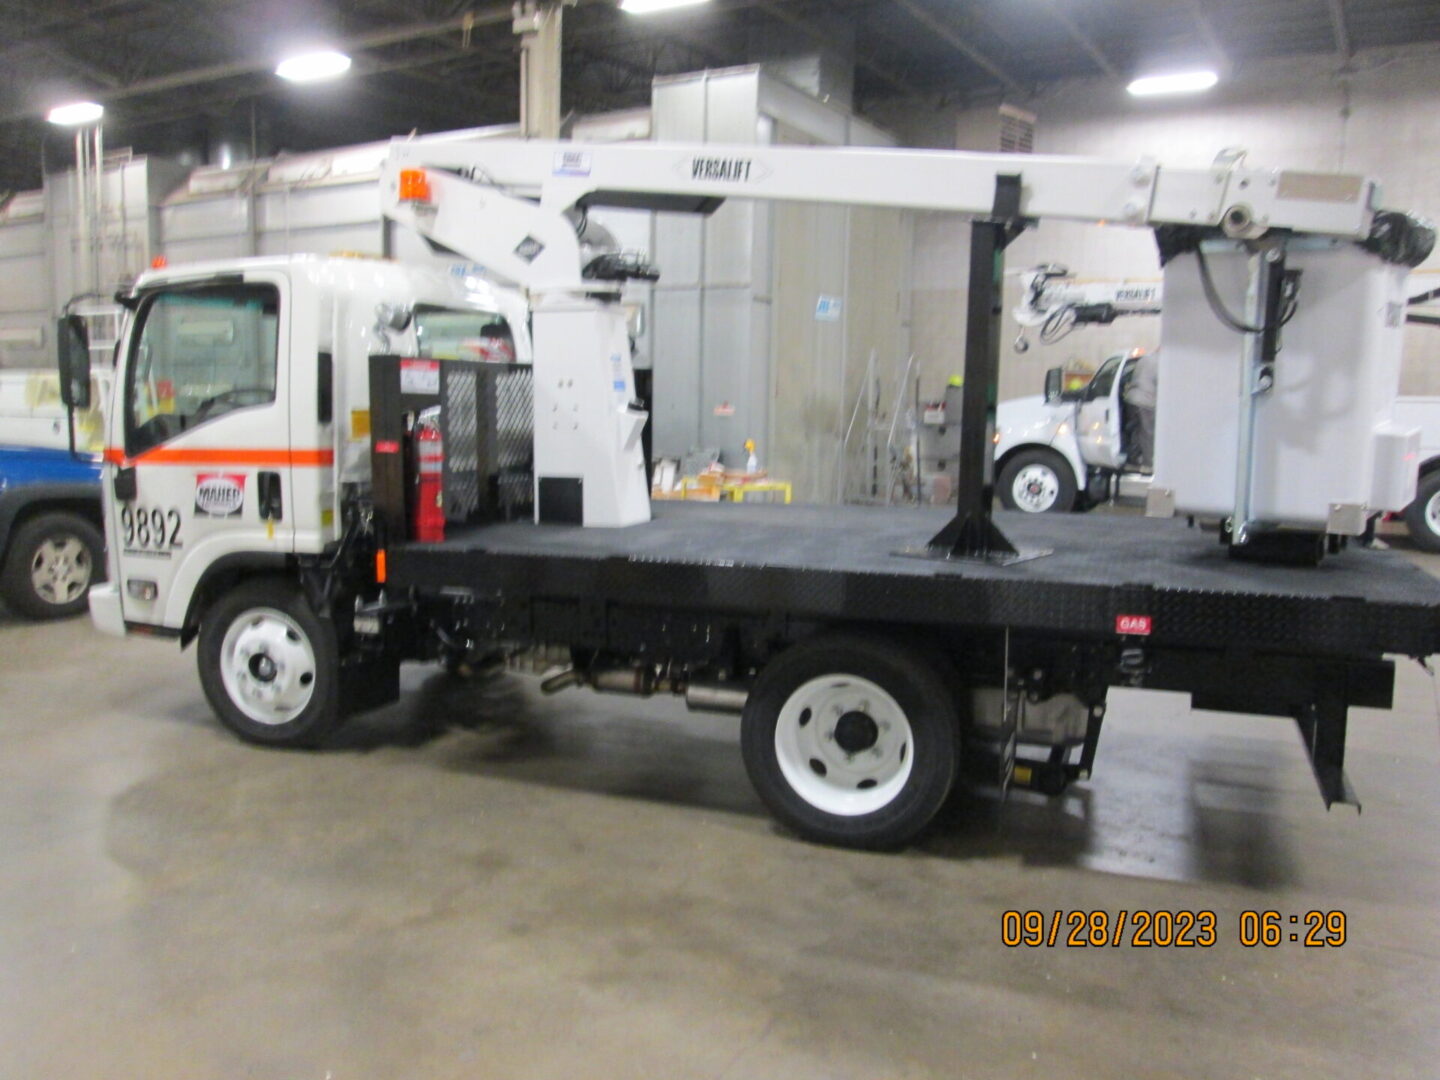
(1432, 513)
(60, 570)
(268, 666)
(1036, 488)
(844, 745)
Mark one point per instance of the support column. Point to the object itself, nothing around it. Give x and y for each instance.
(538, 22)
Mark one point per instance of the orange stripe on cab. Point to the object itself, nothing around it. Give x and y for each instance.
(205, 455)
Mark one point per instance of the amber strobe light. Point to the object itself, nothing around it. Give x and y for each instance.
(414, 185)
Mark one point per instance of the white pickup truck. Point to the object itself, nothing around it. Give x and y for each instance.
(1062, 451)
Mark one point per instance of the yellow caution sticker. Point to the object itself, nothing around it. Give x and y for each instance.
(359, 424)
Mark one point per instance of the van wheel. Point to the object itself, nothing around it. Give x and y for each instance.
(53, 560)
(1038, 482)
(851, 740)
(1422, 516)
(269, 665)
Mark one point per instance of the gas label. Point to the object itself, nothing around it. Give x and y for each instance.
(1132, 624)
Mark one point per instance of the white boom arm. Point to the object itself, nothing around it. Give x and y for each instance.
(467, 179)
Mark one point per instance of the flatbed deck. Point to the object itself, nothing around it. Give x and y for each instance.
(839, 562)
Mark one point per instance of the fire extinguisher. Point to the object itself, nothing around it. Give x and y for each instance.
(427, 517)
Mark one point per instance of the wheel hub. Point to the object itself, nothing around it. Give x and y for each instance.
(268, 666)
(856, 732)
(263, 668)
(1036, 488)
(844, 745)
(60, 570)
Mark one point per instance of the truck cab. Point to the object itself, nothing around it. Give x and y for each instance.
(1061, 450)
(240, 416)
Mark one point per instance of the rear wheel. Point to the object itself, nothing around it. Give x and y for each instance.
(269, 665)
(852, 740)
(52, 562)
(1423, 515)
(1037, 481)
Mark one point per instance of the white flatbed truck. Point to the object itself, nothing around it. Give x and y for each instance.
(264, 457)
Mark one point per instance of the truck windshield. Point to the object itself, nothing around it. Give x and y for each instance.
(200, 353)
(447, 334)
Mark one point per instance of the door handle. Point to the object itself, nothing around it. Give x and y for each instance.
(267, 487)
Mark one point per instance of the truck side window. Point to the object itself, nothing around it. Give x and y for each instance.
(199, 354)
(1104, 380)
(444, 334)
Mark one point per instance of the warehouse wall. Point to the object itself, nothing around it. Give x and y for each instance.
(739, 348)
(1383, 118)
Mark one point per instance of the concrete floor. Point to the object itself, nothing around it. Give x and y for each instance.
(482, 883)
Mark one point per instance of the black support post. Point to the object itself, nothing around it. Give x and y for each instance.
(1322, 726)
(971, 534)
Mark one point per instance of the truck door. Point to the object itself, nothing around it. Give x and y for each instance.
(204, 465)
(1098, 420)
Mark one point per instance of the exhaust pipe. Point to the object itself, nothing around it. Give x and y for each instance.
(642, 682)
(713, 697)
(563, 680)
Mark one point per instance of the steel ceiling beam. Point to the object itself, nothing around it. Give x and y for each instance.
(1206, 30)
(1082, 39)
(956, 41)
(809, 29)
(1340, 29)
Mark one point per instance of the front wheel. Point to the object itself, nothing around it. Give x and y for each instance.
(53, 560)
(1422, 516)
(269, 665)
(1037, 481)
(851, 740)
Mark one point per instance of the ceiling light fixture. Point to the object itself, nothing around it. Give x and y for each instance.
(76, 113)
(314, 66)
(649, 7)
(1183, 82)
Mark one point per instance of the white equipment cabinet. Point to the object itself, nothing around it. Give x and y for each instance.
(1326, 452)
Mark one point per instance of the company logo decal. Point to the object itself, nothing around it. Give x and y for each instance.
(737, 170)
(572, 163)
(219, 494)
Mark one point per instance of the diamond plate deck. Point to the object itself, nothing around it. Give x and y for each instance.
(837, 562)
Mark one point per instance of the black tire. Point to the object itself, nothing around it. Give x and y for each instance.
(272, 621)
(911, 798)
(1417, 520)
(49, 541)
(1036, 461)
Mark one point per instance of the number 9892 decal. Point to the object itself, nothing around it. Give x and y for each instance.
(150, 528)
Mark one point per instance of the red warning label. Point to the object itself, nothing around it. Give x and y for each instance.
(1132, 624)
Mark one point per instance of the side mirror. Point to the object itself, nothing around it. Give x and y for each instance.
(1054, 385)
(73, 345)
